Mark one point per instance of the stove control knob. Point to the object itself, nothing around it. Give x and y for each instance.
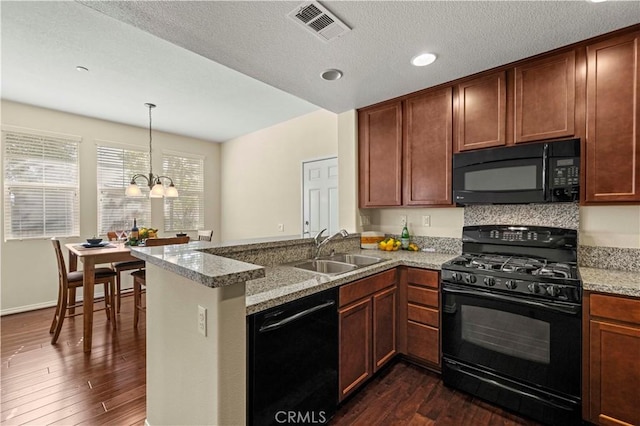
(456, 276)
(471, 278)
(553, 290)
(534, 287)
(489, 281)
(511, 284)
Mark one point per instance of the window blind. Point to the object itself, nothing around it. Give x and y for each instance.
(116, 166)
(40, 186)
(186, 212)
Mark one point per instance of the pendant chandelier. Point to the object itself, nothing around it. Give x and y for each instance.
(157, 189)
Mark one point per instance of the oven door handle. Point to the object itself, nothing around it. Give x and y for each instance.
(549, 306)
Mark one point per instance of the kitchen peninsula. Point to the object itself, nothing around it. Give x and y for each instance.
(199, 379)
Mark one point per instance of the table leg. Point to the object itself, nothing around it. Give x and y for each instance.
(87, 296)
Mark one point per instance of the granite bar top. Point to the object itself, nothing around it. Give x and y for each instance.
(610, 281)
(285, 283)
(188, 260)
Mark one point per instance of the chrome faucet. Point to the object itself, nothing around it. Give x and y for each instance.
(319, 244)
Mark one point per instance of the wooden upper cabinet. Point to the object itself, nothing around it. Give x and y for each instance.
(545, 98)
(380, 155)
(482, 112)
(613, 120)
(428, 128)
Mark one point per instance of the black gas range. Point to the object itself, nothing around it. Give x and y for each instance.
(511, 308)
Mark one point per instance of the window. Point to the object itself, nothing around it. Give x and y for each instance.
(40, 185)
(116, 166)
(187, 211)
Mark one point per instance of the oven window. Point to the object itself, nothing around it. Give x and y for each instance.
(502, 179)
(507, 333)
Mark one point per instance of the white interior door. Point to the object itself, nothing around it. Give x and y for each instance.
(320, 196)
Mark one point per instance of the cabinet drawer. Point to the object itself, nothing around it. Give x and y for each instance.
(366, 286)
(423, 277)
(613, 307)
(423, 315)
(423, 342)
(422, 296)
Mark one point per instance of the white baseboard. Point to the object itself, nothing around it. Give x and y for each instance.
(36, 306)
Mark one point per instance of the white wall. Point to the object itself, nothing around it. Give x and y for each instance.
(610, 226)
(29, 271)
(262, 175)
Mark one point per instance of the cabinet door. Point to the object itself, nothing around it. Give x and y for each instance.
(428, 127)
(613, 120)
(355, 346)
(384, 327)
(423, 342)
(482, 112)
(380, 153)
(614, 374)
(545, 98)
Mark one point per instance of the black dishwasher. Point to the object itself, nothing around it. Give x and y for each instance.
(293, 362)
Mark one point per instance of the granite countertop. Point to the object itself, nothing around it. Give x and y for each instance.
(207, 269)
(285, 283)
(610, 281)
(266, 287)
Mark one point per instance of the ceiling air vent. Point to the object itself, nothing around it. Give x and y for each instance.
(319, 21)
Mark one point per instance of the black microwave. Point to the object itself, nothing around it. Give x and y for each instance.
(542, 172)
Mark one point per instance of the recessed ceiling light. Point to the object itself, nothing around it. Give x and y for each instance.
(331, 75)
(423, 59)
(597, 1)
(81, 68)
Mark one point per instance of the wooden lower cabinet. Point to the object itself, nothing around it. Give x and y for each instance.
(423, 316)
(355, 345)
(368, 323)
(612, 364)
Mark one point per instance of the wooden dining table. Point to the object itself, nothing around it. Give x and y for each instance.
(91, 257)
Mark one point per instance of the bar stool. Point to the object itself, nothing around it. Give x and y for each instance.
(68, 282)
(205, 235)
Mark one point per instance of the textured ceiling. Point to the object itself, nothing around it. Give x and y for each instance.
(199, 97)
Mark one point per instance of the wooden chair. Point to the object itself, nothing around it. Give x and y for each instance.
(68, 282)
(120, 267)
(205, 235)
(140, 276)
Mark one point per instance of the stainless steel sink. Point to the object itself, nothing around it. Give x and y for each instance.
(338, 263)
(328, 267)
(359, 260)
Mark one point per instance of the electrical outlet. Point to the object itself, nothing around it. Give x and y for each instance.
(365, 220)
(426, 220)
(403, 220)
(202, 320)
(281, 227)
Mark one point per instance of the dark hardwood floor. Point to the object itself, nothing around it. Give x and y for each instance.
(405, 394)
(58, 384)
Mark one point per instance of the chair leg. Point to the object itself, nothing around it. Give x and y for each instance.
(56, 314)
(63, 312)
(107, 300)
(137, 300)
(72, 300)
(118, 291)
(112, 300)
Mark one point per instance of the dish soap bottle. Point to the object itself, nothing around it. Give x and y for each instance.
(404, 238)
